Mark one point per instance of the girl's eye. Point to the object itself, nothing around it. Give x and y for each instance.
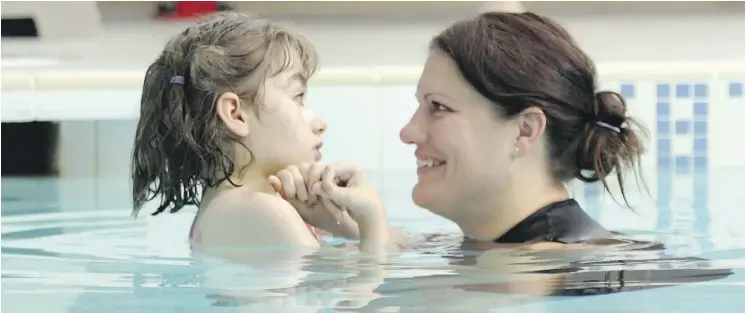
(438, 107)
(300, 97)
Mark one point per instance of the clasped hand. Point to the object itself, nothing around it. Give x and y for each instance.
(335, 198)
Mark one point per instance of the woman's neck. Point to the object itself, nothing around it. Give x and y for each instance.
(491, 218)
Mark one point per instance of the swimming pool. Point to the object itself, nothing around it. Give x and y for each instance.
(71, 246)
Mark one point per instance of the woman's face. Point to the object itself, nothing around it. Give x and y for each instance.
(464, 150)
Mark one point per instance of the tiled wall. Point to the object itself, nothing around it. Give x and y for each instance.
(364, 123)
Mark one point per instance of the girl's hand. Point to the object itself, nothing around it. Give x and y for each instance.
(301, 186)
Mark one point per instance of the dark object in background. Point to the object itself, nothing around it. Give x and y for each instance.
(28, 149)
(19, 27)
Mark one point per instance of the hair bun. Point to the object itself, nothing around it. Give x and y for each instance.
(610, 109)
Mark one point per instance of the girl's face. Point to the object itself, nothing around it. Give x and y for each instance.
(281, 130)
(285, 131)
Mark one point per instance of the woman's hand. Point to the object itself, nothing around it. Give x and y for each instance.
(345, 185)
(341, 190)
(295, 184)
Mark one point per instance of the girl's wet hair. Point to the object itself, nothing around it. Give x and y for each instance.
(522, 60)
(181, 144)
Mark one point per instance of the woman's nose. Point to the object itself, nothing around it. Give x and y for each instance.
(411, 133)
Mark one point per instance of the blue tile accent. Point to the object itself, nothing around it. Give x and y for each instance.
(627, 90)
(592, 194)
(701, 198)
(664, 163)
(593, 190)
(700, 91)
(682, 90)
(695, 163)
(663, 91)
(700, 162)
(682, 127)
(700, 110)
(663, 128)
(700, 128)
(682, 165)
(663, 110)
(700, 146)
(735, 90)
(664, 189)
(663, 147)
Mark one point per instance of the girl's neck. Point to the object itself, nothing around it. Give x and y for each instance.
(249, 177)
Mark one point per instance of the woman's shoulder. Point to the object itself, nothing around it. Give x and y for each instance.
(560, 222)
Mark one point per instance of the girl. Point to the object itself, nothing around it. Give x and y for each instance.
(222, 110)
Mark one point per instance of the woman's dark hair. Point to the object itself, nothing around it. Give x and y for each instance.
(522, 60)
(180, 143)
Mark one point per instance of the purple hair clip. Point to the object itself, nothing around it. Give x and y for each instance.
(177, 80)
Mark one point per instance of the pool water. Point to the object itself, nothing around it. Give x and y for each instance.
(72, 246)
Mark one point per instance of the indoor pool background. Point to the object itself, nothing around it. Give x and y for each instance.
(70, 245)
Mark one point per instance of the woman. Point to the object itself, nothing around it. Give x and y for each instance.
(508, 112)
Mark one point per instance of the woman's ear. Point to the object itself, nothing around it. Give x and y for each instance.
(532, 124)
(229, 110)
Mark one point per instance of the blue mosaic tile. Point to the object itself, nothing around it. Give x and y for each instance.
(682, 127)
(700, 146)
(682, 91)
(664, 162)
(700, 91)
(735, 90)
(663, 128)
(664, 190)
(663, 91)
(700, 162)
(663, 110)
(593, 190)
(664, 147)
(627, 90)
(700, 110)
(682, 165)
(700, 128)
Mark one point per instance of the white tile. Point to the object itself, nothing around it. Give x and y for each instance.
(114, 140)
(726, 132)
(682, 145)
(76, 153)
(682, 188)
(681, 109)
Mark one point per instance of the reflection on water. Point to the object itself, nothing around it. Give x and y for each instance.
(93, 258)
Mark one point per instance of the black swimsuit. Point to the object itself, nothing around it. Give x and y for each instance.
(562, 221)
(566, 222)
